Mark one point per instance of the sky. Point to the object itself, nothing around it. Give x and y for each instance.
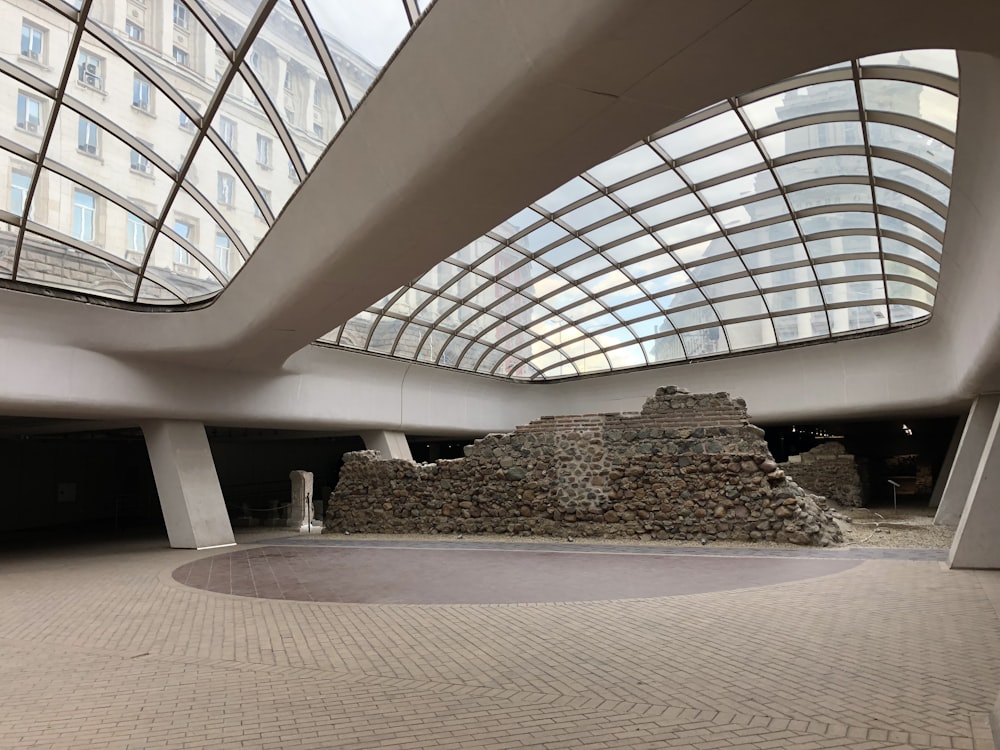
(372, 27)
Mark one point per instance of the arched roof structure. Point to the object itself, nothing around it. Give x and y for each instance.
(487, 107)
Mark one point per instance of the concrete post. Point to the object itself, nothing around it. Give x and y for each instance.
(949, 461)
(389, 444)
(975, 543)
(186, 481)
(958, 487)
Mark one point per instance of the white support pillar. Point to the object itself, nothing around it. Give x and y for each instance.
(949, 461)
(970, 449)
(389, 444)
(977, 538)
(188, 485)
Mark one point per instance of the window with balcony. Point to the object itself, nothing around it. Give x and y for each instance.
(90, 70)
(32, 42)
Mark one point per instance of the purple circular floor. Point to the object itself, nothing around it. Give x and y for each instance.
(400, 575)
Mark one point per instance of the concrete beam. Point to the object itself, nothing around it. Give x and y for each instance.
(188, 485)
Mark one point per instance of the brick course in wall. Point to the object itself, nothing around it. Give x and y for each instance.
(688, 466)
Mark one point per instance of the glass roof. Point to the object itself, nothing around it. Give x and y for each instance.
(148, 145)
(812, 209)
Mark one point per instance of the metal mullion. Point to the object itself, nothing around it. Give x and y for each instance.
(146, 70)
(843, 179)
(521, 233)
(902, 279)
(206, 123)
(120, 134)
(208, 23)
(741, 202)
(915, 265)
(63, 8)
(693, 119)
(412, 11)
(271, 113)
(157, 278)
(92, 250)
(905, 74)
(71, 53)
(213, 211)
(817, 118)
(29, 80)
(920, 223)
(791, 84)
(856, 69)
(19, 150)
(917, 244)
(909, 303)
(227, 154)
(98, 188)
(915, 162)
(832, 208)
(791, 217)
(924, 200)
(192, 249)
(924, 127)
(915, 193)
(628, 181)
(816, 153)
(325, 58)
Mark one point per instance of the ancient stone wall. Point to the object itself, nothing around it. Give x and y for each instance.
(828, 470)
(686, 467)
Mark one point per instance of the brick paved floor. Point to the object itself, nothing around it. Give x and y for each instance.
(101, 648)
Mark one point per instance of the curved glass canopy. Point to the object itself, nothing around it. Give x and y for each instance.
(811, 209)
(148, 145)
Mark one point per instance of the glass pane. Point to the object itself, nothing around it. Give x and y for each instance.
(355, 331)
(626, 165)
(892, 170)
(704, 134)
(42, 44)
(802, 102)
(801, 327)
(939, 60)
(848, 320)
(752, 212)
(912, 100)
(824, 167)
(794, 299)
(704, 342)
(670, 210)
(172, 265)
(821, 135)
(900, 202)
(741, 187)
(905, 314)
(837, 221)
(909, 141)
(716, 165)
(663, 349)
(564, 195)
(751, 334)
(830, 195)
(651, 188)
(590, 213)
(775, 256)
(54, 264)
(409, 340)
(741, 308)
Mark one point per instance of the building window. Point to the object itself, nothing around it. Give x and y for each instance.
(292, 174)
(227, 188)
(186, 122)
(142, 94)
(32, 42)
(135, 32)
(87, 137)
(136, 234)
(139, 163)
(288, 80)
(84, 210)
(318, 130)
(227, 129)
(20, 182)
(29, 113)
(254, 58)
(223, 250)
(181, 57)
(182, 18)
(90, 70)
(185, 231)
(263, 150)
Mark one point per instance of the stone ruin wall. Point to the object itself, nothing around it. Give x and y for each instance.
(828, 470)
(686, 467)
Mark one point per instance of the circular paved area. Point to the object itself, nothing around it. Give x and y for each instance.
(404, 575)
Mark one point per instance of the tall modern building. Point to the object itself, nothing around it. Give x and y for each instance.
(378, 218)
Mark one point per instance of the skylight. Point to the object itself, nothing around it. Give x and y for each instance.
(148, 146)
(807, 211)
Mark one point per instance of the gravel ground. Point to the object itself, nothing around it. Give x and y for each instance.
(909, 528)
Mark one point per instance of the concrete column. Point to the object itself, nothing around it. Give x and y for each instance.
(389, 444)
(963, 470)
(949, 460)
(188, 485)
(977, 538)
